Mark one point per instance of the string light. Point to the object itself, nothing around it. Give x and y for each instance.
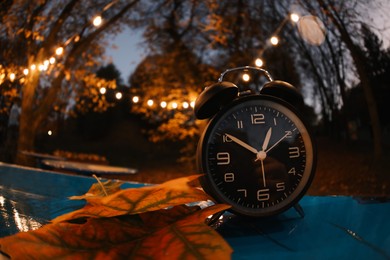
(12, 76)
(294, 17)
(97, 21)
(118, 95)
(246, 77)
(274, 40)
(102, 90)
(59, 51)
(43, 67)
(150, 102)
(259, 62)
(165, 104)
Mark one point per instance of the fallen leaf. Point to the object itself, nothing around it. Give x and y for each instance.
(139, 200)
(124, 237)
(160, 218)
(189, 238)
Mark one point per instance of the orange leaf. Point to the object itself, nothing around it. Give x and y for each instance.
(123, 237)
(159, 218)
(93, 239)
(189, 238)
(140, 200)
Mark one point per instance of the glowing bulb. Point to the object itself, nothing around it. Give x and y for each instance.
(59, 51)
(12, 76)
(41, 67)
(192, 104)
(274, 40)
(163, 104)
(135, 99)
(118, 95)
(52, 60)
(259, 62)
(25, 72)
(294, 17)
(150, 102)
(33, 67)
(46, 63)
(97, 21)
(102, 90)
(174, 105)
(185, 105)
(49, 132)
(246, 77)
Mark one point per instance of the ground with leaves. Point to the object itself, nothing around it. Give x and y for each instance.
(342, 170)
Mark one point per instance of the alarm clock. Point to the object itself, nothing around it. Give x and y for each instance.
(256, 152)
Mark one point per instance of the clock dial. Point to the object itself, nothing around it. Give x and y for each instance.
(258, 156)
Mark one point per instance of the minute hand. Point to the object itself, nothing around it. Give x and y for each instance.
(275, 144)
(245, 145)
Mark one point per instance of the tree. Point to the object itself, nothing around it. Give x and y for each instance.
(170, 78)
(57, 46)
(359, 60)
(378, 68)
(95, 105)
(322, 66)
(110, 72)
(339, 61)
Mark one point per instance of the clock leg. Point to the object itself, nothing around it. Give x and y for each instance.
(214, 218)
(299, 209)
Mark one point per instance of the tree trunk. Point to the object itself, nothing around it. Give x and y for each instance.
(359, 61)
(26, 142)
(27, 129)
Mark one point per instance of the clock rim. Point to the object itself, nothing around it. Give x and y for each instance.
(208, 184)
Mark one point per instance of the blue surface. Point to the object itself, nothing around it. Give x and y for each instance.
(31, 197)
(334, 227)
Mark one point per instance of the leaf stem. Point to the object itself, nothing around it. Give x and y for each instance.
(101, 184)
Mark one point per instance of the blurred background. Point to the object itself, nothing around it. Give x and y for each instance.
(114, 82)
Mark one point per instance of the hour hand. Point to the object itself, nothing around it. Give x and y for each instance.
(243, 144)
(266, 139)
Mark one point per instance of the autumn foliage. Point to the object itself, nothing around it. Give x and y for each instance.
(148, 222)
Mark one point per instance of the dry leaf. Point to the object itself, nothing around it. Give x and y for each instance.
(124, 237)
(189, 238)
(148, 222)
(140, 200)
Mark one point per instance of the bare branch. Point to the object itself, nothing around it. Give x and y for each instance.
(58, 23)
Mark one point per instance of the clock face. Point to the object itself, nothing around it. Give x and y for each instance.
(257, 155)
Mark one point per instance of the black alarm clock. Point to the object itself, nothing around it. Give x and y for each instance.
(257, 153)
